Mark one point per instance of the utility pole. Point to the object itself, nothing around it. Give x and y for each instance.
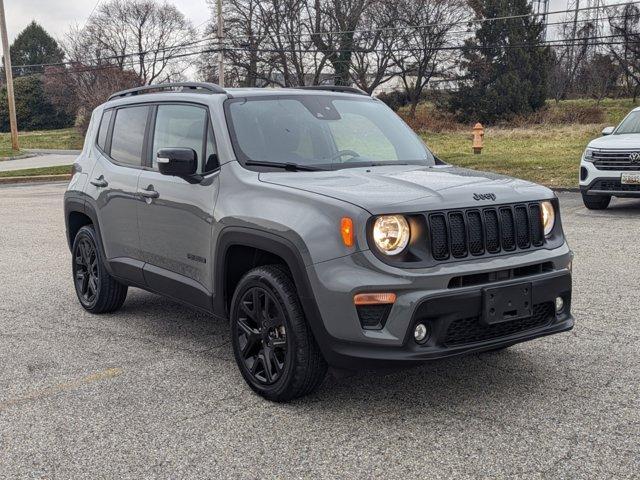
(220, 44)
(574, 32)
(9, 74)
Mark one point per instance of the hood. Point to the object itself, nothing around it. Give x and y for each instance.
(626, 141)
(404, 189)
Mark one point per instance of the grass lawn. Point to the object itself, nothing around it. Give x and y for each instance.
(61, 170)
(66, 139)
(549, 155)
(615, 109)
(6, 151)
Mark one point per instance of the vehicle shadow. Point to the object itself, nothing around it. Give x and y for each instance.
(438, 385)
(619, 207)
(442, 385)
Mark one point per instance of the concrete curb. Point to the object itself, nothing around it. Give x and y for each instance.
(35, 179)
(18, 157)
(50, 151)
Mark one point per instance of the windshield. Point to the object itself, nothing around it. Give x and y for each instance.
(322, 131)
(631, 124)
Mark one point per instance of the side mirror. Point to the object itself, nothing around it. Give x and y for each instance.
(608, 131)
(178, 162)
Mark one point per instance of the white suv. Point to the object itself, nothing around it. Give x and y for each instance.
(610, 165)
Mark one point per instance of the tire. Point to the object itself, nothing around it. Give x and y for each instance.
(97, 291)
(276, 353)
(596, 202)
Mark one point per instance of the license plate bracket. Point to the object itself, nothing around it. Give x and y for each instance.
(504, 304)
(630, 179)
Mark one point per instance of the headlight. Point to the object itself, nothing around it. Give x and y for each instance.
(391, 234)
(548, 217)
(587, 156)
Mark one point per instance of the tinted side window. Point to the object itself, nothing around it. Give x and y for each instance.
(180, 126)
(128, 135)
(104, 129)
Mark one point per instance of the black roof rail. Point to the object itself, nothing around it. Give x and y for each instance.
(335, 88)
(210, 88)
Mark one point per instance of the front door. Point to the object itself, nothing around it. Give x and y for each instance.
(176, 217)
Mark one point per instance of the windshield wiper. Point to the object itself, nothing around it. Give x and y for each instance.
(292, 167)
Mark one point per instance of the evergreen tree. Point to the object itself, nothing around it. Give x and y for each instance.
(33, 109)
(506, 64)
(34, 46)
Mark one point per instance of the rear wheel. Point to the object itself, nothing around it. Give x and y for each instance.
(596, 202)
(97, 291)
(272, 342)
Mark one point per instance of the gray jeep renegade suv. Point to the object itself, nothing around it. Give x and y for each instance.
(317, 223)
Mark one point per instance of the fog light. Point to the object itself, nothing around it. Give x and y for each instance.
(420, 333)
(559, 305)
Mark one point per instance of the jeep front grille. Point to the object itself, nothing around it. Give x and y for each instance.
(615, 160)
(480, 231)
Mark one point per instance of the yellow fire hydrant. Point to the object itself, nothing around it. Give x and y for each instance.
(478, 138)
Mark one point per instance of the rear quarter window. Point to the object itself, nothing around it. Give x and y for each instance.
(104, 129)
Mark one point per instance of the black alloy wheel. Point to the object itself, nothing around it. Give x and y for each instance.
(85, 271)
(262, 335)
(98, 292)
(272, 341)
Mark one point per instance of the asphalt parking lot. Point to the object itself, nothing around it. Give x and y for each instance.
(153, 391)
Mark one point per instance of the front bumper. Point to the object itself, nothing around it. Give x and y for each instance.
(452, 314)
(605, 182)
(456, 328)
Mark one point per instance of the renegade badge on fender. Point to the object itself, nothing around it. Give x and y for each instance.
(317, 224)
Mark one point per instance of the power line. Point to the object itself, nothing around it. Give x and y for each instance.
(91, 14)
(206, 39)
(557, 43)
(449, 24)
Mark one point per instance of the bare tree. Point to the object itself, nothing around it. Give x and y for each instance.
(290, 51)
(79, 89)
(574, 50)
(598, 77)
(140, 35)
(372, 62)
(423, 35)
(334, 26)
(245, 35)
(625, 25)
(268, 42)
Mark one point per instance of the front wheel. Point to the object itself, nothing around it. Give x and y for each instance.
(596, 202)
(272, 342)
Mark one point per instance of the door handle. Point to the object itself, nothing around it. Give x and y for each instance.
(149, 193)
(99, 182)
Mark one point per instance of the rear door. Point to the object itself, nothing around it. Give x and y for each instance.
(176, 217)
(114, 184)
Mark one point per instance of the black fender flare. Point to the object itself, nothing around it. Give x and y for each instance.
(285, 249)
(80, 202)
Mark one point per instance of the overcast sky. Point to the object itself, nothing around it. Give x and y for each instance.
(56, 16)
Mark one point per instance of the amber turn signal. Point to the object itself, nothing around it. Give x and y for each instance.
(346, 230)
(374, 298)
